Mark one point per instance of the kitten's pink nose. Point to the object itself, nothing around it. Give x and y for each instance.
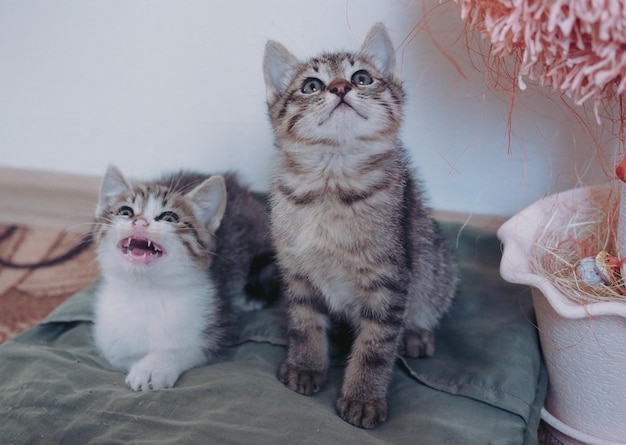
(340, 87)
(140, 222)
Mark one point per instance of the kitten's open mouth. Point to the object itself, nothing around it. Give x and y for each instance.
(140, 250)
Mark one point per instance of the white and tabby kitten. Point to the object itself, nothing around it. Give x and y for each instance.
(352, 236)
(175, 257)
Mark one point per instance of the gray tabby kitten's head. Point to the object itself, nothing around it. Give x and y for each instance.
(143, 226)
(336, 97)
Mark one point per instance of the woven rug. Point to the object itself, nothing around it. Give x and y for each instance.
(39, 269)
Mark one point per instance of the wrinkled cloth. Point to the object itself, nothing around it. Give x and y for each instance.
(485, 383)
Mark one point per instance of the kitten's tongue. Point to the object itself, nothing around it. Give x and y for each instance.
(140, 250)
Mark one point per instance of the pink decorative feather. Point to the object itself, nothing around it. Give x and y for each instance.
(574, 46)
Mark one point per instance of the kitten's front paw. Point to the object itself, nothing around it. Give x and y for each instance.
(418, 343)
(145, 378)
(303, 381)
(362, 413)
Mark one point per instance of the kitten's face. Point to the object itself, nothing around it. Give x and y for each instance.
(334, 98)
(145, 226)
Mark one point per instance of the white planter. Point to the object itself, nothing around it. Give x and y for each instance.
(584, 346)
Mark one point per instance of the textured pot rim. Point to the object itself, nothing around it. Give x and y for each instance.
(573, 433)
(518, 235)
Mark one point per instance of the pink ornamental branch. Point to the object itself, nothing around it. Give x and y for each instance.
(574, 46)
(620, 172)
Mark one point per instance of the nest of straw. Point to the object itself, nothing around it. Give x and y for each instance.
(563, 244)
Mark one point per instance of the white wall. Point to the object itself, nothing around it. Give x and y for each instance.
(155, 85)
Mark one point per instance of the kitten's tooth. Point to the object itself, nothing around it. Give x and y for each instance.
(149, 243)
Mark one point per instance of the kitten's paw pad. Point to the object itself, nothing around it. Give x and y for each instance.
(362, 413)
(141, 378)
(303, 381)
(418, 343)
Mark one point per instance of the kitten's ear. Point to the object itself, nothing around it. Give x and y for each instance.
(278, 66)
(113, 184)
(210, 201)
(379, 48)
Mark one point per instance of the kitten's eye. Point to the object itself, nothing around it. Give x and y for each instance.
(168, 217)
(126, 211)
(312, 85)
(362, 77)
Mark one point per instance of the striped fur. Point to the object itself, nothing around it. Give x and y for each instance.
(157, 317)
(352, 236)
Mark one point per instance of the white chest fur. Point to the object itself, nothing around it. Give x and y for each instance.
(136, 317)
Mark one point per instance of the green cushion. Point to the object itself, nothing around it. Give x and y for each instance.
(485, 383)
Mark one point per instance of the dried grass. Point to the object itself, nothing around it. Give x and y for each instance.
(562, 244)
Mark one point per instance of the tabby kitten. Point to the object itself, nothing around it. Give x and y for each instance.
(175, 256)
(352, 236)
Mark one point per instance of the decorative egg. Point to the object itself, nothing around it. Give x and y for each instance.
(586, 271)
(601, 269)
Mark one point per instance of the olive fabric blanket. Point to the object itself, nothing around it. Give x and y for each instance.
(485, 383)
